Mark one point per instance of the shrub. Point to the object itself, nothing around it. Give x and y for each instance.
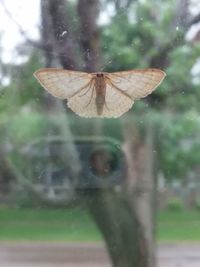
(175, 204)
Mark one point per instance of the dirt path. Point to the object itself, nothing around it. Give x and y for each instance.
(42, 254)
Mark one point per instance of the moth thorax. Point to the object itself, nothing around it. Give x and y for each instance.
(100, 75)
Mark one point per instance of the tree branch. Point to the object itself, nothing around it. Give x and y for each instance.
(121, 5)
(161, 59)
(195, 20)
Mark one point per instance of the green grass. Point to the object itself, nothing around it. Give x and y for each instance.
(179, 226)
(76, 225)
(57, 225)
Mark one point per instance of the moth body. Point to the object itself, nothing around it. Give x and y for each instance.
(100, 87)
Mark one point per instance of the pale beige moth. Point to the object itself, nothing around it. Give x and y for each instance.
(100, 94)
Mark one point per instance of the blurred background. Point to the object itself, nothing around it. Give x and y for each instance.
(126, 183)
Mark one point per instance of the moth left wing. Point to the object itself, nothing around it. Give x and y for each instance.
(83, 103)
(63, 83)
(137, 83)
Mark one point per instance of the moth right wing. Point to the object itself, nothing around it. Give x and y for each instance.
(137, 83)
(61, 83)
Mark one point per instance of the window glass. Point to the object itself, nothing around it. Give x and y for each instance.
(99, 130)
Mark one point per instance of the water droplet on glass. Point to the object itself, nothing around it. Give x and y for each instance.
(63, 33)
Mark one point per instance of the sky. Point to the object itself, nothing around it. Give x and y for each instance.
(26, 14)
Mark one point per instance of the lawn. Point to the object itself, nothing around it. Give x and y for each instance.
(76, 225)
(179, 226)
(57, 225)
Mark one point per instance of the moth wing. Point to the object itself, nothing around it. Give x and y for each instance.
(137, 83)
(62, 83)
(116, 102)
(83, 103)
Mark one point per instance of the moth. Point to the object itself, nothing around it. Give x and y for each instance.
(100, 94)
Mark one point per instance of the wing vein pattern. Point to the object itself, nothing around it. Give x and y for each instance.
(122, 89)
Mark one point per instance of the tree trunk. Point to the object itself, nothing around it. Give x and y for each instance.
(141, 184)
(56, 35)
(112, 211)
(6, 174)
(64, 42)
(47, 37)
(125, 215)
(88, 11)
(58, 42)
